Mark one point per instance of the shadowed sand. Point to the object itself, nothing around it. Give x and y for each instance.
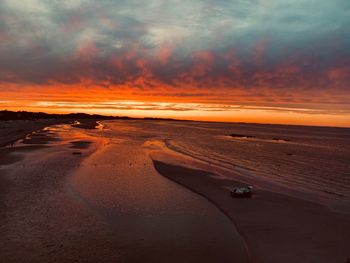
(29, 133)
(11, 131)
(277, 228)
(13, 155)
(41, 221)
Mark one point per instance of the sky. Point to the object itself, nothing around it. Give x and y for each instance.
(266, 61)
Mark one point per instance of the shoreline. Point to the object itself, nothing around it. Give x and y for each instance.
(15, 130)
(281, 215)
(11, 133)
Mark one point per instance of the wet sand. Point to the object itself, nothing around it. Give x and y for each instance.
(151, 216)
(86, 124)
(126, 197)
(106, 205)
(41, 220)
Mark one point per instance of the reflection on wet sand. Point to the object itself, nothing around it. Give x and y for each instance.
(113, 206)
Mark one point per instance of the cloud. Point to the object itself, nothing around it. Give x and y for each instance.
(271, 50)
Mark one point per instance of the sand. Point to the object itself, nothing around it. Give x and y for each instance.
(277, 228)
(11, 131)
(41, 219)
(98, 207)
(153, 217)
(127, 199)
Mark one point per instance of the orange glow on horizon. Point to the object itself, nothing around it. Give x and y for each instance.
(165, 102)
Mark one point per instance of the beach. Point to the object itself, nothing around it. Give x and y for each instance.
(143, 191)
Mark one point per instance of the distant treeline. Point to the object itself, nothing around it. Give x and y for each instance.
(6, 115)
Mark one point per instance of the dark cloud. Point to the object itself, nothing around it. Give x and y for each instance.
(277, 45)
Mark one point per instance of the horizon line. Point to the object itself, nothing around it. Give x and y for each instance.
(174, 119)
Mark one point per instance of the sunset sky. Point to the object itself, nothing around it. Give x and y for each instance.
(270, 61)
